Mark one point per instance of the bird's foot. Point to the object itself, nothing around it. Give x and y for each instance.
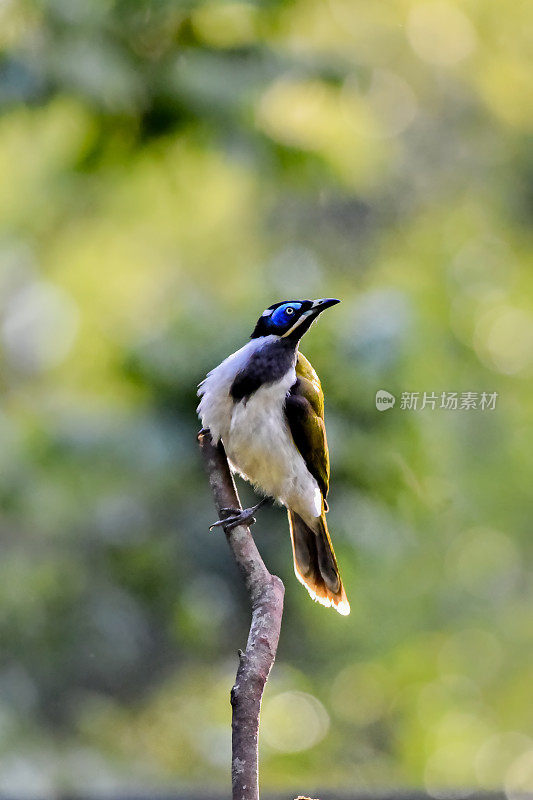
(237, 516)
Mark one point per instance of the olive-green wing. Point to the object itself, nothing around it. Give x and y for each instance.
(304, 410)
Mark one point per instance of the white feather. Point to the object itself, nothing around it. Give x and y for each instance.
(256, 435)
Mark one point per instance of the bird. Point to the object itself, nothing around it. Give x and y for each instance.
(265, 404)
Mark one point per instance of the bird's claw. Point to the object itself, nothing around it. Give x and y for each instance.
(235, 516)
(232, 517)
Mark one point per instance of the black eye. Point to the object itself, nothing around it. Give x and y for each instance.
(289, 310)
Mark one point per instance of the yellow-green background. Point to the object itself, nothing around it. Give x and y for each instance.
(167, 170)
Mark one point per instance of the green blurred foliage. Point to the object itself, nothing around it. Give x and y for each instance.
(168, 170)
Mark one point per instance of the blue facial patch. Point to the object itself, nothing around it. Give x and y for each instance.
(283, 315)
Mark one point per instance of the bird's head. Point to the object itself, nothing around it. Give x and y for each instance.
(290, 319)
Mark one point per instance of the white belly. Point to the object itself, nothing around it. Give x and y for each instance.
(261, 448)
(258, 441)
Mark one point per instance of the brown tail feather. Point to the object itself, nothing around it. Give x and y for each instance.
(315, 564)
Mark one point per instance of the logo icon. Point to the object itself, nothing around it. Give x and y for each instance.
(384, 400)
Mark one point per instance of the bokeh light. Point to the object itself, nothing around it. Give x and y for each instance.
(504, 338)
(39, 326)
(440, 33)
(496, 756)
(358, 693)
(519, 778)
(293, 722)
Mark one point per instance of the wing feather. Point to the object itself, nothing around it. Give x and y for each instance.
(304, 410)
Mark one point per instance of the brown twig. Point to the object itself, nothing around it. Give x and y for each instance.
(266, 595)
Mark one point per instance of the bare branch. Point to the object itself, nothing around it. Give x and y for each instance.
(266, 596)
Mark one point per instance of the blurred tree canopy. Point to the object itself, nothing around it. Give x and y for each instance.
(169, 169)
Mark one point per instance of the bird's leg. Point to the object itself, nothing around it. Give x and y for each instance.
(237, 516)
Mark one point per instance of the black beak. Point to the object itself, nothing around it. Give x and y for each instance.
(320, 305)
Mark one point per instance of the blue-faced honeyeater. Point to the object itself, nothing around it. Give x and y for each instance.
(265, 403)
